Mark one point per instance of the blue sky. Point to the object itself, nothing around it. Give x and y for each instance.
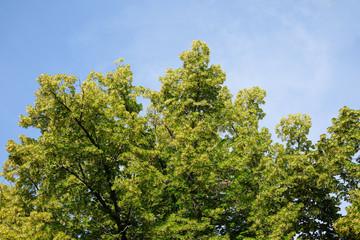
(305, 54)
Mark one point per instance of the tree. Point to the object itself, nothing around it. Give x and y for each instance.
(83, 169)
(195, 166)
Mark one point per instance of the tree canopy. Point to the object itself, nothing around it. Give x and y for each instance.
(194, 165)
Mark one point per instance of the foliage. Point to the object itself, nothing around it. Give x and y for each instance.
(195, 166)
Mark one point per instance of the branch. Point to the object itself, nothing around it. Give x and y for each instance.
(170, 132)
(35, 185)
(81, 169)
(112, 192)
(233, 128)
(106, 230)
(88, 135)
(92, 190)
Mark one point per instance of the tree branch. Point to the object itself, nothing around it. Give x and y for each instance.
(92, 190)
(112, 192)
(35, 185)
(106, 230)
(170, 132)
(88, 135)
